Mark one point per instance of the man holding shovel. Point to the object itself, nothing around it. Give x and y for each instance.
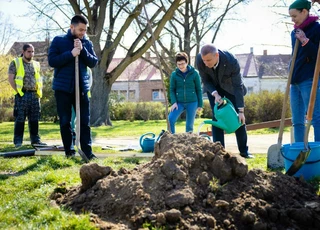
(62, 53)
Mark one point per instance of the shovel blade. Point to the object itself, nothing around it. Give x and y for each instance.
(274, 157)
(299, 162)
(83, 155)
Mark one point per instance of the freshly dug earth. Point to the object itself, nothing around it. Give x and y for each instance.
(192, 183)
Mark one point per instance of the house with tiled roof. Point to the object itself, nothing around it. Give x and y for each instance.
(249, 71)
(273, 70)
(140, 81)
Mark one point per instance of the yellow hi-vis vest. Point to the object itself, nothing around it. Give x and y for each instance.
(20, 75)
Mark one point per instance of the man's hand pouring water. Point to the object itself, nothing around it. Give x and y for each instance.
(219, 100)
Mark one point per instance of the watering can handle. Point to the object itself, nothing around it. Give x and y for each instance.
(160, 135)
(217, 104)
(142, 137)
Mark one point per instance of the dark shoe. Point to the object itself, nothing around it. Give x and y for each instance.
(39, 144)
(92, 157)
(247, 155)
(18, 145)
(71, 153)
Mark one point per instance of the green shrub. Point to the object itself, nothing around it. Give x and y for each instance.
(143, 111)
(265, 106)
(2, 113)
(138, 111)
(6, 109)
(251, 103)
(127, 111)
(158, 111)
(115, 104)
(206, 111)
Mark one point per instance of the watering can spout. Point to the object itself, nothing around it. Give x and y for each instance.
(218, 124)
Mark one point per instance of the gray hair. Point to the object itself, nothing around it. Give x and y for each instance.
(208, 48)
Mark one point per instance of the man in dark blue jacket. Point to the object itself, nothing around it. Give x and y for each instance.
(221, 77)
(62, 53)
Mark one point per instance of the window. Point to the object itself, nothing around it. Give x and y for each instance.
(157, 95)
(123, 94)
(249, 90)
(132, 95)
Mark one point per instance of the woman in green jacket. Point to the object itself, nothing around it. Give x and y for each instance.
(185, 92)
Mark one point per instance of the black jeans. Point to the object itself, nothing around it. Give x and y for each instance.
(218, 134)
(65, 102)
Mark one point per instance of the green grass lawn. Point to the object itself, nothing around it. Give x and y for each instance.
(50, 131)
(26, 184)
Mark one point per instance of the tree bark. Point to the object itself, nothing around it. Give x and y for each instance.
(99, 98)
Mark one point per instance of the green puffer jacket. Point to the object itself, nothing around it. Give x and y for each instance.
(188, 89)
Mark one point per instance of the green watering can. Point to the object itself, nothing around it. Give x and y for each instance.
(226, 116)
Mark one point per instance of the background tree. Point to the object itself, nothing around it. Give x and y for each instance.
(191, 23)
(8, 33)
(110, 27)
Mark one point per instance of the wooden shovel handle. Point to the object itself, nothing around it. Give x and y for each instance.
(314, 87)
(77, 96)
(286, 95)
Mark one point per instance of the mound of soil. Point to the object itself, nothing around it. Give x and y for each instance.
(192, 183)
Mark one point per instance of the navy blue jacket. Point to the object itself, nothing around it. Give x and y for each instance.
(61, 58)
(305, 63)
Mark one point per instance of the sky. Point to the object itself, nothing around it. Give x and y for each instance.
(259, 28)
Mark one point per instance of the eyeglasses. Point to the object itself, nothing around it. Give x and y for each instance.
(181, 64)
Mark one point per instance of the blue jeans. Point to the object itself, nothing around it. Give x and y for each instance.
(299, 100)
(191, 111)
(65, 102)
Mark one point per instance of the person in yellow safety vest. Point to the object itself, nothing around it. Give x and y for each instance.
(24, 77)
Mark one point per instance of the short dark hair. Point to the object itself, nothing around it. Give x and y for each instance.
(25, 47)
(79, 19)
(182, 56)
(209, 48)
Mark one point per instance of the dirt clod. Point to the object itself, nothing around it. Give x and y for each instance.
(192, 183)
(91, 173)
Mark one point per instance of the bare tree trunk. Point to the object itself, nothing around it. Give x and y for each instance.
(99, 98)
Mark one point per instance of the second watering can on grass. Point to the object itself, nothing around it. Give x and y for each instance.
(226, 117)
(148, 140)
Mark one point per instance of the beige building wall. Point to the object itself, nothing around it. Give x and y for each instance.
(151, 91)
